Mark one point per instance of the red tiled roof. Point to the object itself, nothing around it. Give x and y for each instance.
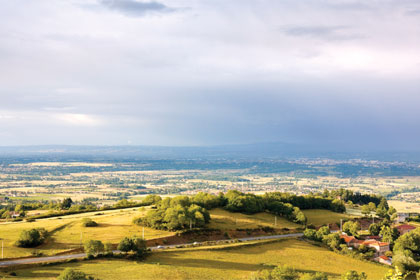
(384, 258)
(405, 227)
(347, 238)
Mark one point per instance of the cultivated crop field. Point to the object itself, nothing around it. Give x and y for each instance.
(236, 261)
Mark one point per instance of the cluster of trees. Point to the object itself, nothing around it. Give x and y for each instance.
(308, 201)
(176, 214)
(134, 244)
(406, 251)
(324, 235)
(354, 197)
(31, 238)
(389, 234)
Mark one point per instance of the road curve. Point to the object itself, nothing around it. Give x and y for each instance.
(155, 248)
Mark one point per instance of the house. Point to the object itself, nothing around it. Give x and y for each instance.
(384, 260)
(402, 217)
(380, 247)
(369, 237)
(405, 228)
(350, 240)
(14, 214)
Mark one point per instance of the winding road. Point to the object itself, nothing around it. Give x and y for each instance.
(156, 248)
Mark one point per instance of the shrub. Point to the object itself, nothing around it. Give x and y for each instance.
(86, 222)
(31, 238)
(71, 274)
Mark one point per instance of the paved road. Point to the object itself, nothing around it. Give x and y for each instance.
(156, 248)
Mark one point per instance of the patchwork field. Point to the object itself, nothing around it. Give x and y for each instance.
(227, 262)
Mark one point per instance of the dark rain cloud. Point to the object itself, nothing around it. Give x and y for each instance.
(135, 8)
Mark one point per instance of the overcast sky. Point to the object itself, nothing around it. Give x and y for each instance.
(207, 72)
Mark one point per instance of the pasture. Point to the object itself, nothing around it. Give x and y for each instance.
(67, 232)
(319, 217)
(237, 261)
(225, 220)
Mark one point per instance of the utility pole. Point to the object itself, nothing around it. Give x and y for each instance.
(341, 225)
(275, 221)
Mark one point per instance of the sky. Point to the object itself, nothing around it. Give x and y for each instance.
(326, 73)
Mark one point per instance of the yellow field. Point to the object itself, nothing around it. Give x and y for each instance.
(230, 262)
(403, 206)
(320, 217)
(67, 232)
(224, 220)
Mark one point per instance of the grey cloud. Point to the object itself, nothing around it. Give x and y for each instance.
(135, 8)
(321, 32)
(414, 12)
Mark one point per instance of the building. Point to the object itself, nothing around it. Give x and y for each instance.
(402, 217)
(380, 247)
(403, 229)
(384, 260)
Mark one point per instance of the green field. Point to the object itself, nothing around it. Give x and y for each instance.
(225, 220)
(320, 217)
(237, 261)
(67, 233)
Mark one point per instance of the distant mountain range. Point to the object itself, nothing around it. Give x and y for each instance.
(249, 151)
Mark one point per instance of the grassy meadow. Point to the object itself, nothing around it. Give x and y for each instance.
(67, 232)
(237, 261)
(225, 220)
(320, 217)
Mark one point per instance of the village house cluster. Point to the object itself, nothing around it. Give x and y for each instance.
(376, 243)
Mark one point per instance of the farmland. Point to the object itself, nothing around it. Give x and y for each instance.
(225, 262)
(67, 233)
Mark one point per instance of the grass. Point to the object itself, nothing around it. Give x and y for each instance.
(67, 231)
(320, 217)
(225, 220)
(230, 262)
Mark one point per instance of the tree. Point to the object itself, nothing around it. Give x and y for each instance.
(382, 209)
(394, 274)
(284, 273)
(125, 245)
(315, 276)
(351, 228)
(389, 234)
(71, 274)
(366, 210)
(108, 248)
(322, 231)
(374, 229)
(66, 203)
(93, 247)
(31, 238)
(332, 240)
(133, 244)
(354, 275)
